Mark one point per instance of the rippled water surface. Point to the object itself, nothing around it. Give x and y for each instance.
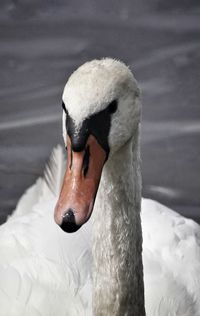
(40, 44)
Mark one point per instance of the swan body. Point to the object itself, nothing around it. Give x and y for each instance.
(42, 275)
(98, 270)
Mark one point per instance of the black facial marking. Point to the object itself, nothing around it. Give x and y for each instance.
(71, 159)
(78, 138)
(97, 125)
(112, 108)
(64, 108)
(86, 159)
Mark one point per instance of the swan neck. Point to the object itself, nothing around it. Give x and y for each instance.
(117, 239)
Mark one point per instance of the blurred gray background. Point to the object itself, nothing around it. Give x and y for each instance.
(41, 42)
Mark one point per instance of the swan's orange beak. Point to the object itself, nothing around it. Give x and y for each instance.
(80, 185)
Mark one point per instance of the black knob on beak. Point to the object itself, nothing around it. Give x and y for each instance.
(69, 222)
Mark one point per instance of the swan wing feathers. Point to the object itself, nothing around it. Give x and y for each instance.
(40, 280)
(44, 271)
(45, 187)
(171, 257)
(54, 171)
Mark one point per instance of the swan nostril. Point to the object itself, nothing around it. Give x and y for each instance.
(86, 160)
(69, 222)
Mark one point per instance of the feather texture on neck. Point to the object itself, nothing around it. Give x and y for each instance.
(117, 238)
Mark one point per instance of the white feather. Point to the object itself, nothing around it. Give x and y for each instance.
(43, 271)
(46, 272)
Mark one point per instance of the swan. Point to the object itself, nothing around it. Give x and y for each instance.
(104, 257)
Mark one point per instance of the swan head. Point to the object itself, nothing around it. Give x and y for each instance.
(101, 110)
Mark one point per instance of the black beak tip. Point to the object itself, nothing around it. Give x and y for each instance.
(69, 223)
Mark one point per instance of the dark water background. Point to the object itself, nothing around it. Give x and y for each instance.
(41, 42)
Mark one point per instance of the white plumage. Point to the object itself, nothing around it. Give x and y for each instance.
(46, 272)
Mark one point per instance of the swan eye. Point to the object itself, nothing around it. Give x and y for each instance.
(112, 108)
